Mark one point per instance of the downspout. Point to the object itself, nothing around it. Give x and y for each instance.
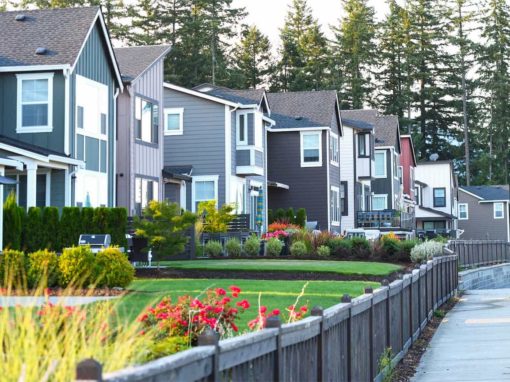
(115, 95)
(67, 74)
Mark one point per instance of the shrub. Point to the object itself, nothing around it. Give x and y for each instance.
(117, 226)
(321, 238)
(213, 248)
(233, 247)
(340, 247)
(301, 218)
(290, 215)
(87, 221)
(216, 220)
(77, 267)
(426, 251)
(13, 223)
(114, 268)
(251, 246)
(50, 221)
(404, 251)
(13, 269)
(43, 269)
(390, 247)
(306, 237)
(34, 233)
(280, 215)
(270, 217)
(70, 227)
(360, 248)
(323, 251)
(274, 247)
(298, 248)
(100, 219)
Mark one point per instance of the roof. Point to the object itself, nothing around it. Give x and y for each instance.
(178, 172)
(440, 213)
(247, 96)
(135, 60)
(303, 109)
(61, 31)
(30, 147)
(488, 192)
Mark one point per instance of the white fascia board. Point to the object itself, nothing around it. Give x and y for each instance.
(470, 193)
(71, 161)
(494, 201)
(11, 163)
(34, 68)
(23, 153)
(206, 96)
(299, 129)
(269, 120)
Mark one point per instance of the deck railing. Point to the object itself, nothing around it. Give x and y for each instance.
(473, 253)
(386, 219)
(341, 343)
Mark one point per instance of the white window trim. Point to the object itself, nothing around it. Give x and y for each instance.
(334, 137)
(175, 110)
(302, 153)
(385, 164)
(19, 110)
(502, 210)
(385, 196)
(336, 223)
(467, 211)
(203, 178)
(246, 127)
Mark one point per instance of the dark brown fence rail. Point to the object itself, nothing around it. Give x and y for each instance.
(341, 343)
(474, 253)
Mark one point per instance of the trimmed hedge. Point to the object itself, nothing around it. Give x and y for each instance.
(114, 268)
(13, 223)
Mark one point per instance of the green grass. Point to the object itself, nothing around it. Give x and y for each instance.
(274, 294)
(340, 267)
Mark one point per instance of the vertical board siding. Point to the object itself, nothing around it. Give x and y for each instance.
(480, 252)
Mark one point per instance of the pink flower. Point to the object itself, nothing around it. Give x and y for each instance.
(276, 312)
(262, 309)
(220, 292)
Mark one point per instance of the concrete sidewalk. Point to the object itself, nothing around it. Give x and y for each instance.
(473, 341)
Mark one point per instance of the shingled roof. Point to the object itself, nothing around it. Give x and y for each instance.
(488, 192)
(303, 109)
(246, 97)
(135, 60)
(61, 31)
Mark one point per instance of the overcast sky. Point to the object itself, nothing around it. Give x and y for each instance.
(269, 15)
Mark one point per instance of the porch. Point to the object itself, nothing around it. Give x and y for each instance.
(386, 220)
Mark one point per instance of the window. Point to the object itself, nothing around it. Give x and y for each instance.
(242, 129)
(379, 202)
(333, 149)
(463, 211)
(311, 150)
(79, 122)
(204, 188)
(433, 225)
(439, 197)
(499, 210)
(400, 174)
(103, 123)
(147, 120)
(395, 165)
(362, 146)
(380, 164)
(335, 206)
(35, 103)
(344, 205)
(174, 121)
(145, 191)
(417, 195)
(93, 152)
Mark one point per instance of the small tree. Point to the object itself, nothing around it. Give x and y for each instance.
(164, 225)
(301, 217)
(280, 215)
(117, 225)
(216, 220)
(50, 227)
(70, 227)
(34, 232)
(13, 221)
(291, 216)
(100, 219)
(87, 221)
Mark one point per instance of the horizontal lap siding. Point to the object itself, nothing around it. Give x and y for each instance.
(347, 174)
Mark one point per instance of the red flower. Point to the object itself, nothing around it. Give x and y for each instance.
(304, 309)
(291, 308)
(235, 290)
(225, 300)
(276, 312)
(262, 309)
(243, 304)
(220, 292)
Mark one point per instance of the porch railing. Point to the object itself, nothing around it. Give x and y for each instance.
(386, 219)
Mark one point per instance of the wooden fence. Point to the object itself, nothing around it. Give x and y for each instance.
(474, 253)
(341, 343)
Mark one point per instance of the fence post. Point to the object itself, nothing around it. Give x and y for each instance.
(346, 299)
(386, 283)
(274, 322)
(370, 290)
(89, 370)
(318, 311)
(211, 338)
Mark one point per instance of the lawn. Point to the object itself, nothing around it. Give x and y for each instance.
(273, 294)
(340, 267)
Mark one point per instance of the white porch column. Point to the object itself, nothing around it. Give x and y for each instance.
(31, 184)
(2, 173)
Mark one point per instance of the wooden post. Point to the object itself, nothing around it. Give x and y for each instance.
(346, 299)
(211, 338)
(89, 370)
(386, 283)
(274, 322)
(370, 290)
(322, 372)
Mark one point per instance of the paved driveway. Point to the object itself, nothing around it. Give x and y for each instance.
(473, 341)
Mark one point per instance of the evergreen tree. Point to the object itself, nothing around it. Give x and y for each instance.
(494, 63)
(148, 23)
(50, 226)
(355, 52)
(34, 232)
(304, 51)
(252, 58)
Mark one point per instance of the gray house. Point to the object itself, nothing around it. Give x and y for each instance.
(139, 130)
(58, 86)
(483, 213)
(304, 155)
(215, 148)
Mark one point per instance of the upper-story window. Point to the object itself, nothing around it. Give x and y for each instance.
(35, 103)
(499, 210)
(463, 211)
(333, 149)
(395, 165)
(400, 174)
(379, 202)
(147, 120)
(174, 121)
(311, 149)
(440, 197)
(417, 195)
(335, 205)
(242, 129)
(344, 205)
(362, 145)
(380, 164)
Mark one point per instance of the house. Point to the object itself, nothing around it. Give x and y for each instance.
(408, 165)
(139, 126)
(59, 81)
(436, 197)
(483, 213)
(304, 156)
(215, 148)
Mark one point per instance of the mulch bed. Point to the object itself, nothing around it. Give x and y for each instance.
(65, 292)
(154, 273)
(406, 368)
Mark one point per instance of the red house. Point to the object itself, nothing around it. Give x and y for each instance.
(408, 164)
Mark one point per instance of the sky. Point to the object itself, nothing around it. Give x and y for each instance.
(269, 15)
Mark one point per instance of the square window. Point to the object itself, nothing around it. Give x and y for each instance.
(205, 188)
(311, 152)
(499, 210)
(379, 202)
(34, 99)
(439, 197)
(174, 121)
